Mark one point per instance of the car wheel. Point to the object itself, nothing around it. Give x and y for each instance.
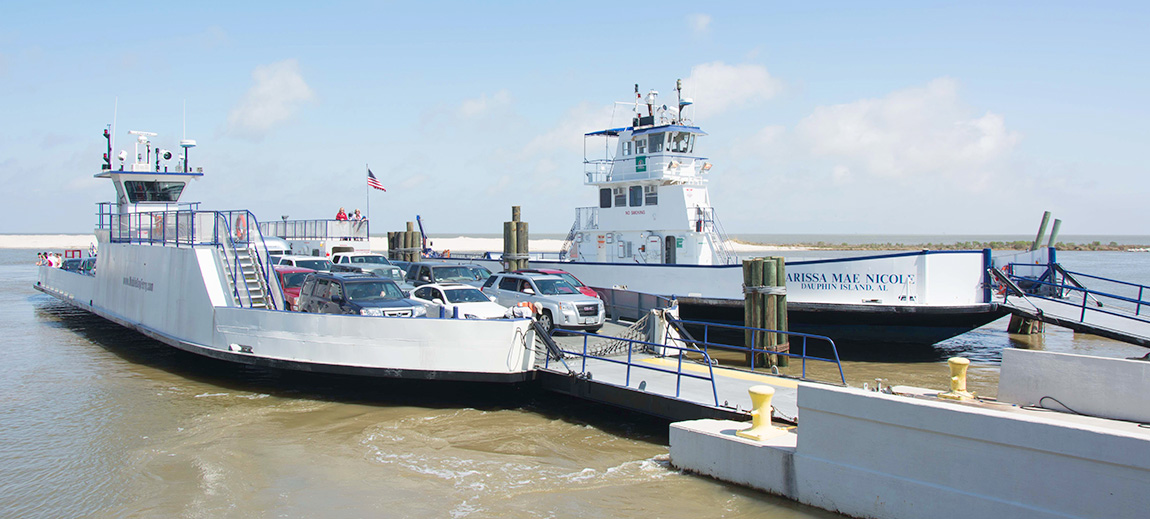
(546, 322)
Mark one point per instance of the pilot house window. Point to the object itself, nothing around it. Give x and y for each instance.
(657, 142)
(681, 142)
(151, 191)
(641, 145)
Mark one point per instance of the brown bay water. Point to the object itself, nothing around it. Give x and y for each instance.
(100, 421)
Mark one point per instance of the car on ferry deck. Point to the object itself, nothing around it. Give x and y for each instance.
(276, 247)
(419, 274)
(356, 294)
(291, 280)
(360, 259)
(308, 262)
(563, 305)
(445, 298)
(567, 276)
(480, 272)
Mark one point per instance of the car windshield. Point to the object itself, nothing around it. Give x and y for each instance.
(479, 273)
(393, 273)
(455, 273)
(371, 290)
(466, 295)
(294, 279)
(370, 259)
(317, 264)
(555, 287)
(570, 279)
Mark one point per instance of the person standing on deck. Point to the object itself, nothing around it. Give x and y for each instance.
(341, 215)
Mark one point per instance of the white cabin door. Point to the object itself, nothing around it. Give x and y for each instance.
(654, 249)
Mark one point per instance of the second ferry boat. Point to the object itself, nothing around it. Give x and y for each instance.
(654, 231)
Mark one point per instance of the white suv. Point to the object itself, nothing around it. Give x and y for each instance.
(563, 305)
(307, 262)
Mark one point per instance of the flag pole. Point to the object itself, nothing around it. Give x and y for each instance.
(367, 195)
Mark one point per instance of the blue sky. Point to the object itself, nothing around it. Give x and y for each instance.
(824, 117)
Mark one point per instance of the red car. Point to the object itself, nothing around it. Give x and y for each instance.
(291, 279)
(567, 276)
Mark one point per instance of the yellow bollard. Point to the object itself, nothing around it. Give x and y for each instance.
(958, 366)
(761, 428)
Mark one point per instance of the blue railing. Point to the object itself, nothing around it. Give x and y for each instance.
(226, 230)
(755, 350)
(1045, 284)
(678, 371)
(694, 347)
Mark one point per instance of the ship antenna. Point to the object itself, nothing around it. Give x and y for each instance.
(679, 91)
(112, 143)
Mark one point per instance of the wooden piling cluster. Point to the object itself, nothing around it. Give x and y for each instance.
(515, 240)
(404, 245)
(765, 306)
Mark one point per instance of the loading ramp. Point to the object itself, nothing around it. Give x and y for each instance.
(661, 370)
(1051, 294)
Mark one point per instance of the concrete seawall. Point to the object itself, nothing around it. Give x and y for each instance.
(868, 454)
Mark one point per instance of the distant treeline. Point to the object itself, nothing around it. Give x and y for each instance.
(964, 245)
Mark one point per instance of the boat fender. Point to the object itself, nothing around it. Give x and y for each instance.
(241, 226)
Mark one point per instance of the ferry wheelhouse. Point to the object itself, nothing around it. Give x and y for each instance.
(654, 231)
(654, 207)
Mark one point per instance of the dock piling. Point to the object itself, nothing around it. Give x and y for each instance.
(1041, 230)
(515, 242)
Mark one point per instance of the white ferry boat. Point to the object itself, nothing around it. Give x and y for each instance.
(200, 280)
(654, 231)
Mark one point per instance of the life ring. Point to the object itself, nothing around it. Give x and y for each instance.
(241, 227)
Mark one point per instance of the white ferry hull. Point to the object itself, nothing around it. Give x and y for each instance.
(176, 295)
(899, 298)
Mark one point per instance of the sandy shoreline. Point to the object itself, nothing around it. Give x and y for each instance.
(51, 242)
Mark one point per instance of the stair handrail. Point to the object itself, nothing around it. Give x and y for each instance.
(274, 296)
(231, 266)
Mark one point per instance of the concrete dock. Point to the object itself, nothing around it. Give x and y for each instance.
(912, 454)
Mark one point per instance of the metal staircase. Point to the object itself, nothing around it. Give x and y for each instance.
(249, 288)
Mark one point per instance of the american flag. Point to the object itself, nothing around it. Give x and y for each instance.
(374, 182)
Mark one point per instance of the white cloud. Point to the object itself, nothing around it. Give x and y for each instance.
(580, 119)
(841, 175)
(700, 23)
(483, 104)
(913, 132)
(717, 86)
(278, 92)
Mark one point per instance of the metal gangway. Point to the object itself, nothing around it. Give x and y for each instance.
(680, 370)
(1049, 293)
